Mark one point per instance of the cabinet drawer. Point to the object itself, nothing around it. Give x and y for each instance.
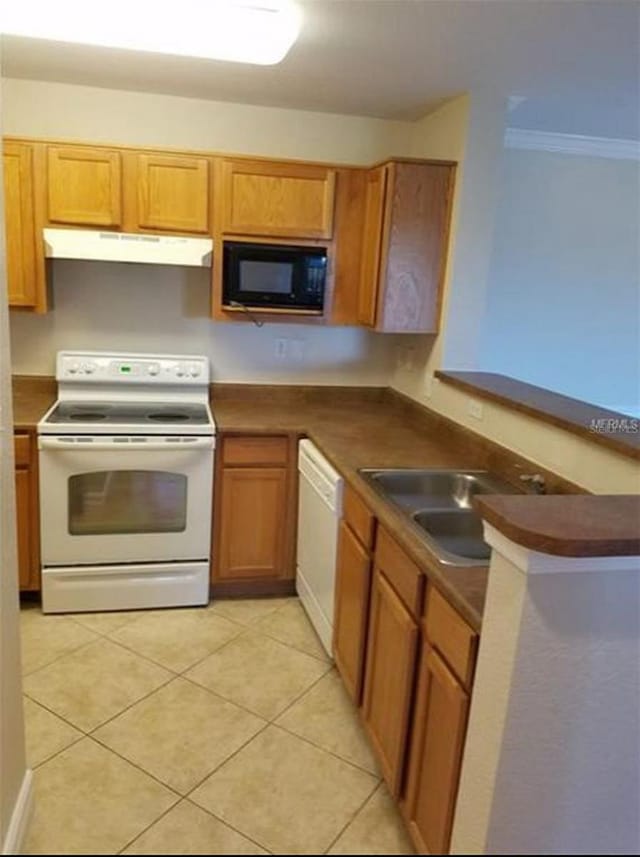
(359, 518)
(22, 450)
(449, 633)
(255, 450)
(403, 574)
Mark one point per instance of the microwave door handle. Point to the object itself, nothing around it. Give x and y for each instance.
(92, 445)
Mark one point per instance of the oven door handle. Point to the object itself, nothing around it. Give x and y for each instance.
(80, 444)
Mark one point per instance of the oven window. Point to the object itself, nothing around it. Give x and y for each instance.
(113, 502)
(268, 277)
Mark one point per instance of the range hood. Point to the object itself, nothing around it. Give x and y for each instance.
(92, 244)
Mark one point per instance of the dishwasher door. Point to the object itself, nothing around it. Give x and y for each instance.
(319, 512)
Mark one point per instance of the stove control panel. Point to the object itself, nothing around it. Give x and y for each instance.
(98, 367)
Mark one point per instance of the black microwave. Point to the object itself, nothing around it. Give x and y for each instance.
(274, 276)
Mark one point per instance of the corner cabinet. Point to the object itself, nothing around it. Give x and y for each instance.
(407, 209)
(255, 515)
(277, 199)
(25, 254)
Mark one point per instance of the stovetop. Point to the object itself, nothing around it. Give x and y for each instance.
(130, 417)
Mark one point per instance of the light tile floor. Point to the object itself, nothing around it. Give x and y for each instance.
(217, 730)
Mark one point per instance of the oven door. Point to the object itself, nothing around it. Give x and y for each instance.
(125, 499)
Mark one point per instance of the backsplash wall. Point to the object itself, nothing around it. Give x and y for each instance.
(109, 306)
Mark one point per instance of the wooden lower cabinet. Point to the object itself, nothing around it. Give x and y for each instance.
(254, 516)
(435, 757)
(253, 509)
(392, 646)
(27, 514)
(353, 586)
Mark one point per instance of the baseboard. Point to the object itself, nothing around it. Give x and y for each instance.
(20, 817)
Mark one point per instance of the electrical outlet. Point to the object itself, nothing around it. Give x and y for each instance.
(428, 386)
(474, 409)
(282, 348)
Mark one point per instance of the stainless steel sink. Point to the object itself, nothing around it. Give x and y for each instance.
(438, 503)
(458, 534)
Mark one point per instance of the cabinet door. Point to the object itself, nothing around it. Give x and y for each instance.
(251, 533)
(353, 585)
(391, 656)
(440, 722)
(23, 523)
(277, 199)
(173, 193)
(19, 224)
(415, 247)
(372, 246)
(84, 186)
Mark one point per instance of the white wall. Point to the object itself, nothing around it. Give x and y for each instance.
(12, 751)
(149, 309)
(564, 297)
(470, 130)
(156, 309)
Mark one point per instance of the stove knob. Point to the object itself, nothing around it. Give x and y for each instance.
(73, 368)
(180, 371)
(89, 368)
(154, 369)
(194, 370)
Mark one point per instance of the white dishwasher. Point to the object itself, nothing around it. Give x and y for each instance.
(319, 512)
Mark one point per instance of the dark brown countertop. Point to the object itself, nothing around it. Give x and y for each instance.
(354, 428)
(366, 429)
(578, 526)
(619, 432)
(33, 395)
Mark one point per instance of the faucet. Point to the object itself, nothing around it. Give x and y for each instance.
(536, 481)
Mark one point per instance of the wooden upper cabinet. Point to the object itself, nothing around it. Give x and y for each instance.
(277, 199)
(405, 246)
(85, 186)
(20, 228)
(435, 758)
(374, 205)
(392, 642)
(173, 193)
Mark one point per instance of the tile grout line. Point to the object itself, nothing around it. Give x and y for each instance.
(353, 817)
(230, 826)
(328, 752)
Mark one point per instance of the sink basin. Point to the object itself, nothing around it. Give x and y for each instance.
(458, 533)
(438, 503)
(436, 489)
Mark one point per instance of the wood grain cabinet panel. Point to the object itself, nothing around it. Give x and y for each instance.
(253, 509)
(374, 209)
(84, 186)
(392, 642)
(353, 585)
(277, 199)
(27, 513)
(440, 723)
(20, 228)
(173, 193)
(408, 209)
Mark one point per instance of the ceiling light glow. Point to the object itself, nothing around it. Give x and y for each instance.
(250, 31)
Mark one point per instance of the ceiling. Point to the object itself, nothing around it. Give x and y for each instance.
(574, 61)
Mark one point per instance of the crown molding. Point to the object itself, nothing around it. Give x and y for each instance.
(572, 144)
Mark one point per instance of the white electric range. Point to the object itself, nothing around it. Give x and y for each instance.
(126, 460)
